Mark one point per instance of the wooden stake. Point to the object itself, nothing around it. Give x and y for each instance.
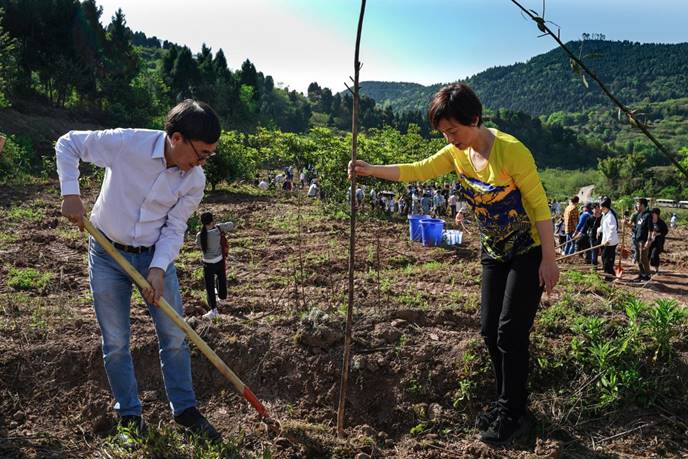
(352, 236)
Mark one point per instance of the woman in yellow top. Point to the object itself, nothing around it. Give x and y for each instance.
(498, 178)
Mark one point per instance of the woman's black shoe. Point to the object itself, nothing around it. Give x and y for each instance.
(487, 417)
(506, 428)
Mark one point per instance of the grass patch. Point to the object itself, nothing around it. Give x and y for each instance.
(27, 279)
(24, 214)
(430, 266)
(169, 442)
(413, 299)
(6, 239)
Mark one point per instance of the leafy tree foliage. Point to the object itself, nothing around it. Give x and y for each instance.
(8, 63)
(66, 57)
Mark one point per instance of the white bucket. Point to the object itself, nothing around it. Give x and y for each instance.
(453, 237)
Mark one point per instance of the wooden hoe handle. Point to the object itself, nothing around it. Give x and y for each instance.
(242, 388)
(579, 252)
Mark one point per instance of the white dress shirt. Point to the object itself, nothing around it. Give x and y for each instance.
(609, 229)
(142, 202)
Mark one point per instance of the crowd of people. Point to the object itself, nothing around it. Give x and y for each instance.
(287, 181)
(588, 232)
(417, 199)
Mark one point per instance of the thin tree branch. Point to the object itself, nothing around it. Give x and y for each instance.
(542, 26)
(352, 237)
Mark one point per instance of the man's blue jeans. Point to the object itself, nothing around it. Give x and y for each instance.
(111, 288)
(570, 246)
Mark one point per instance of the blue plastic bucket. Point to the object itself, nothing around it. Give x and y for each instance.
(431, 231)
(414, 226)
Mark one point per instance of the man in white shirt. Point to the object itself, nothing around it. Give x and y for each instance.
(610, 237)
(153, 183)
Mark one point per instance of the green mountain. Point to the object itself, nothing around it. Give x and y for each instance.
(545, 84)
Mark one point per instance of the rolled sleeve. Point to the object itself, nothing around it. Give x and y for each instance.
(172, 234)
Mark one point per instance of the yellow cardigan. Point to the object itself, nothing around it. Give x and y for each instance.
(506, 195)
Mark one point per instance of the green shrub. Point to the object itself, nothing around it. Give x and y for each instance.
(17, 161)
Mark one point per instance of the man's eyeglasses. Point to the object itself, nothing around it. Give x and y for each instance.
(201, 157)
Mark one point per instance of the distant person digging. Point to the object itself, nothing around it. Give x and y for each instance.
(153, 183)
(499, 179)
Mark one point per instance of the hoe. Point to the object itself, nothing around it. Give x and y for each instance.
(242, 388)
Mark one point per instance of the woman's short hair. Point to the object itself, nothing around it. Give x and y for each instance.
(455, 101)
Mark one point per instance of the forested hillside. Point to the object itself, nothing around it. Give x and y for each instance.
(63, 66)
(635, 72)
(650, 78)
(60, 54)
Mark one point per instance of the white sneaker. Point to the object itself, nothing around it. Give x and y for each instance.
(211, 315)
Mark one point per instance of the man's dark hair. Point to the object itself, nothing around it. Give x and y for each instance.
(606, 203)
(194, 120)
(455, 101)
(575, 199)
(587, 206)
(656, 211)
(643, 201)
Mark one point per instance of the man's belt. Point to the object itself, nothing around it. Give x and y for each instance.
(130, 248)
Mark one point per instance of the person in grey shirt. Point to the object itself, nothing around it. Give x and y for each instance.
(214, 245)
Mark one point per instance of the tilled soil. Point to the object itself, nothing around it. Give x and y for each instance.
(281, 331)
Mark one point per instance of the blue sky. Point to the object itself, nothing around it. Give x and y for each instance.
(423, 41)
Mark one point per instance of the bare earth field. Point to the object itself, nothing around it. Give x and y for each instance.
(419, 372)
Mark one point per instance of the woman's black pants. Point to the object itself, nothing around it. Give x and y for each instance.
(214, 276)
(509, 299)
